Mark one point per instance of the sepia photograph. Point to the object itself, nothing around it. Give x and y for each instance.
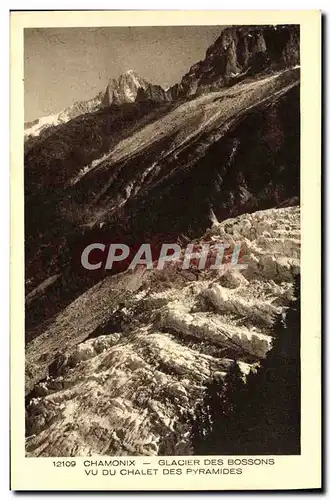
(162, 240)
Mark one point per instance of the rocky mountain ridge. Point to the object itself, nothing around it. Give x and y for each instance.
(130, 87)
(239, 52)
(35, 128)
(193, 151)
(116, 359)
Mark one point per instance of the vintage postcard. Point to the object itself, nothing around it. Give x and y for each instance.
(166, 250)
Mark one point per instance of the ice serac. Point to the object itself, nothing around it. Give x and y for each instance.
(115, 361)
(135, 361)
(241, 51)
(236, 150)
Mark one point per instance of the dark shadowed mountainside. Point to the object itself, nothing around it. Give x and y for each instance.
(214, 158)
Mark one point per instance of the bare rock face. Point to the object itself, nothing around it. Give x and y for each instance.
(233, 151)
(128, 88)
(153, 92)
(238, 52)
(131, 87)
(127, 392)
(124, 89)
(114, 362)
(241, 51)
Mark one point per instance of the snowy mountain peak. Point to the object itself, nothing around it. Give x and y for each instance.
(33, 129)
(130, 87)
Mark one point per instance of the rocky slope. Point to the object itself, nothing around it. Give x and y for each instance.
(235, 150)
(114, 359)
(136, 360)
(239, 52)
(128, 88)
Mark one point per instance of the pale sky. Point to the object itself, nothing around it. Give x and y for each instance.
(63, 65)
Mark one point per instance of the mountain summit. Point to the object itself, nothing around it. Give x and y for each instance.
(127, 88)
(117, 359)
(130, 87)
(240, 52)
